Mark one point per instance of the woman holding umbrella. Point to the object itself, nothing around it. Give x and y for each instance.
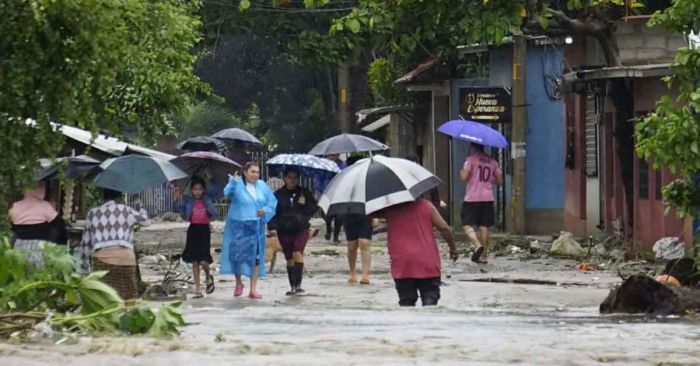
(295, 207)
(252, 205)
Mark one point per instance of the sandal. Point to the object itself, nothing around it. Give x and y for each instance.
(198, 295)
(210, 284)
(238, 291)
(365, 281)
(476, 257)
(255, 296)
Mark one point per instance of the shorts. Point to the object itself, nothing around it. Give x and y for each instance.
(358, 227)
(478, 214)
(293, 242)
(408, 289)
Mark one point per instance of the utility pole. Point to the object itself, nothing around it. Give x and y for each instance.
(344, 98)
(516, 222)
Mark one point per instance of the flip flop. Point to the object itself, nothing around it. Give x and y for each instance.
(365, 281)
(476, 257)
(198, 295)
(210, 284)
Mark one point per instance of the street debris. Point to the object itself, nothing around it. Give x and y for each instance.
(669, 248)
(566, 246)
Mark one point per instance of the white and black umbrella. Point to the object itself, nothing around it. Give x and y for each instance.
(347, 143)
(373, 184)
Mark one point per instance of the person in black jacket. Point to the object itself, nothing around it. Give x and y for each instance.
(295, 207)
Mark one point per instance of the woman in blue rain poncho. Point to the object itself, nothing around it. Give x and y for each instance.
(252, 205)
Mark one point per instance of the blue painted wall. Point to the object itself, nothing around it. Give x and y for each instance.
(545, 135)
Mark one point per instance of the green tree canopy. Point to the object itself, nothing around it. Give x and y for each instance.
(97, 64)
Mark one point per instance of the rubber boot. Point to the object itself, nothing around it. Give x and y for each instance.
(299, 273)
(291, 274)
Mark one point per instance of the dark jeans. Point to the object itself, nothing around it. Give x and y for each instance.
(338, 225)
(408, 289)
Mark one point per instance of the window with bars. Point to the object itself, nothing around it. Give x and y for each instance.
(593, 109)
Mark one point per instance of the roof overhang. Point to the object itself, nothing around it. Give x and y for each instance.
(622, 72)
(372, 113)
(382, 122)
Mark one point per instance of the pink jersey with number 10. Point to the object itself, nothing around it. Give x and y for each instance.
(483, 170)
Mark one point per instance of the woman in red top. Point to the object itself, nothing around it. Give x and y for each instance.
(413, 250)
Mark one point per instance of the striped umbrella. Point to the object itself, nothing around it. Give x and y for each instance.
(373, 184)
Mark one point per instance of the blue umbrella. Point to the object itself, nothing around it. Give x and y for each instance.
(474, 132)
(136, 173)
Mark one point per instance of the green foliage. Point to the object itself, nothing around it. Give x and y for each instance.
(671, 134)
(68, 302)
(97, 64)
(202, 119)
(382, 75)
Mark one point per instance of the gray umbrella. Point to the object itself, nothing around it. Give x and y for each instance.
(136, 173)
(237, 134)
(347, 143)
(74, 167)
(201, 143)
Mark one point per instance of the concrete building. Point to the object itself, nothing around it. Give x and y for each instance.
(595, 199)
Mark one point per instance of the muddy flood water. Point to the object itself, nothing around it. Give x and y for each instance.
(336, 323)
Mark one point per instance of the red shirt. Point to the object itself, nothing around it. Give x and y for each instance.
(199, 213)
(412, 246)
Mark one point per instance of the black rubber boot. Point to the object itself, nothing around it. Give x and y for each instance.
(299, 273)
(291, 274)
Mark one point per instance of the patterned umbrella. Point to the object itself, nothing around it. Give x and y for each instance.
(136, 173)
(320, 169)
(217, 166)
(237, 134)
(304, 162)
(373, 184)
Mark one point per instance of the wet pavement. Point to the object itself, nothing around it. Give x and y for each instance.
(336, 323)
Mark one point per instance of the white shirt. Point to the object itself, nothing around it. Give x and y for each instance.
(251, 189)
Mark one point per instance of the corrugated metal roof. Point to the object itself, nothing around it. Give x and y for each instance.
(110, 145)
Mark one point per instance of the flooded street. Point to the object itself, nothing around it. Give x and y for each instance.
(476, 323)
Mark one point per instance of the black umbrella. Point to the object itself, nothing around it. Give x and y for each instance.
(373, 184)
(237, 134)
(74, 166)
(201, 143)
(347, 143)
(195, 163)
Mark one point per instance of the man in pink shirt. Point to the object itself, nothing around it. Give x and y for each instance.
(481, 172)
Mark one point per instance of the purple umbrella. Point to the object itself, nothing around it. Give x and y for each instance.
(474, 132)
